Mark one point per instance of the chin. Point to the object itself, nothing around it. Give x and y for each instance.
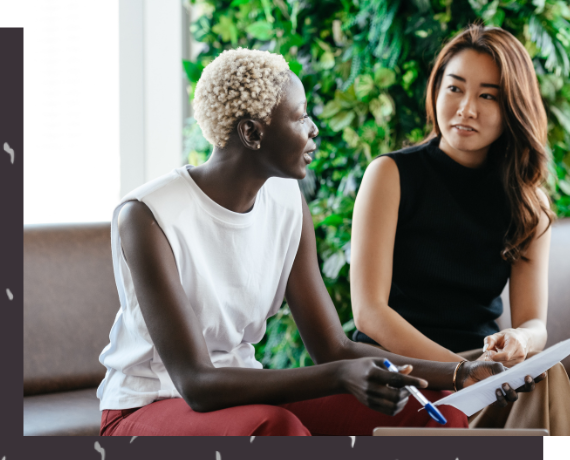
(466, 145)
(297, 173)
(300, 174)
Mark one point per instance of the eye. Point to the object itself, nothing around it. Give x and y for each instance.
(302, 120)
(453, 89)
(489, 97)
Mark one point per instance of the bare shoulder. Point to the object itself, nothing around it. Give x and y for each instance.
(383, 166)
(139, 229)
(382, 175)
(134, 214)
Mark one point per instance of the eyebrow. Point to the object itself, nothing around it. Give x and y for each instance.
(484, 85)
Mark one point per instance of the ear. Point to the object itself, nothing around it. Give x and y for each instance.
(250, 133)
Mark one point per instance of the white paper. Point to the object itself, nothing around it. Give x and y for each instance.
(475, 397)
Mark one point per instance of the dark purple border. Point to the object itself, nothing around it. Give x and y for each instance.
(13, 445)
(276, 448)
(11, 241)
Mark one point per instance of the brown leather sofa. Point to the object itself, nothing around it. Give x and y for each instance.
(70, 301)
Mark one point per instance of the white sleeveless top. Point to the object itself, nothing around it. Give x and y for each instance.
(233, 268)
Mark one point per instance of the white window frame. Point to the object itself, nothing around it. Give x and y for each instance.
(153, 40)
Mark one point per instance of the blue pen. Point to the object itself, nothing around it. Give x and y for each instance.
(429, 407)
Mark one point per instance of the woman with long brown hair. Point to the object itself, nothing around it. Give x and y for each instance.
(441, 227)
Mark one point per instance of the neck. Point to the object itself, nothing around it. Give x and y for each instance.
(468, 158)
(230, 178)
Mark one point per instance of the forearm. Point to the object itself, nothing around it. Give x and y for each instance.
(388, 328)
(219, 388)
(535, 331)
(438, 374)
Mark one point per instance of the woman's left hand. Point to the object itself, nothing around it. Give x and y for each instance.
(475, 371)
(508, 347)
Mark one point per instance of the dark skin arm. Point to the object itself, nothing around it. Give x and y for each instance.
(176, 333)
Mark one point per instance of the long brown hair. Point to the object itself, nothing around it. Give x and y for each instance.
(524, 164)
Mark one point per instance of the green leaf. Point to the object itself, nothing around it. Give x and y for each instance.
(539, 6)
(333, 264)
(384, 78)
(349, 326)
(478, 5)
(443, 18)
(267, 10)
(262, 30)
(489, 10)
(563, 118)
(333, 219)
(296, 67)
(367, 152)
(369, 132)
(341, 120)
(564, 186)
(324, 45)
(193, 70)
(350, 136)
(409, 78)
(226, 29)
(497, 19)
(331, 109)
(382, 108)
(327, 60)
(346, 99)
(364, 86)
(239, 2)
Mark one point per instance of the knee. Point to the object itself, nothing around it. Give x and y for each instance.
(276, 421)
(455, 418)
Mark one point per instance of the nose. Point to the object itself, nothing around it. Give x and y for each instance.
(314, 130)
(468, 107)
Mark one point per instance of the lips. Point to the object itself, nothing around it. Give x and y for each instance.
(464, 128)
(307, 155)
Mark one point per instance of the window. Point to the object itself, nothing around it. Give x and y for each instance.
(104, 101)
(71, 108)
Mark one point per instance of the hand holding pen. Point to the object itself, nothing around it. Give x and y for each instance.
(375, 386)
(429, 407)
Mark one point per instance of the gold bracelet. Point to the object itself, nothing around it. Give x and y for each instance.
(455, 374)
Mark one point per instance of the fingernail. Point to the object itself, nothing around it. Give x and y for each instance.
(485, 347)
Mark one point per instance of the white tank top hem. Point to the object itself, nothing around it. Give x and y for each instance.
(233, 268)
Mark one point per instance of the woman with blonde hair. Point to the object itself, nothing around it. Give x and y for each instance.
(440, 228)
(203, 256)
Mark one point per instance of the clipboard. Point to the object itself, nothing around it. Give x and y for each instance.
(475, 397)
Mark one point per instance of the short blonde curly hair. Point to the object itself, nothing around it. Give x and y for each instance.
(238, 83)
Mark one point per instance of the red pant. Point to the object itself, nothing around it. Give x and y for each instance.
(339, 415)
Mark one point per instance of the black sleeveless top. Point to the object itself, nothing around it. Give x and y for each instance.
(448, 273)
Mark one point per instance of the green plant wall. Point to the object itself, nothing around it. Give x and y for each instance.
(365, 65)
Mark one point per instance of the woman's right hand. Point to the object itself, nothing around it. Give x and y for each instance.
(374, 386)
